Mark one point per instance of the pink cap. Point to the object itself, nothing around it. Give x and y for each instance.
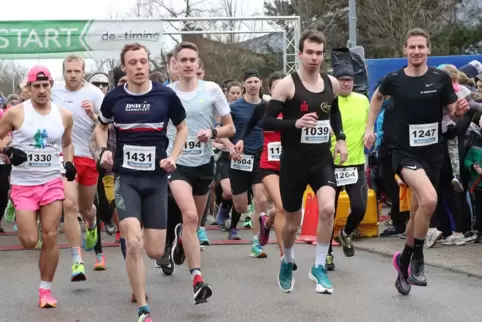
(38, 73)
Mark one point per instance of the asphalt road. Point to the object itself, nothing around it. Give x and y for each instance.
(244, 290)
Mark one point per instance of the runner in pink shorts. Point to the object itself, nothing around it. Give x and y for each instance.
(40, 132)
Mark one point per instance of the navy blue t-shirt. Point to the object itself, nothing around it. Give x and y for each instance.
(140, 123)
(241, 112)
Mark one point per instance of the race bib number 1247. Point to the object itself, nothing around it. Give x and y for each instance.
(423, 134)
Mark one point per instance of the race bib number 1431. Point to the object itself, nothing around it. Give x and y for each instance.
(141, 158)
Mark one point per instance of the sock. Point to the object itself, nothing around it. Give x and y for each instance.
(76, 255)
(418, 248)
(117, 235)
(255, 240)
(196, 276)
(93, 226)
(227, 204)
(45, 285)
(143, 309)
(288, 256)
(344, 233)
(405, 258)
(123, 247)
(321, 252)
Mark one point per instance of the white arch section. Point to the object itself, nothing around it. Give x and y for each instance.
(287, 29)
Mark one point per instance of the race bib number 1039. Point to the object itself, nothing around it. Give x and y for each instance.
(318, 134)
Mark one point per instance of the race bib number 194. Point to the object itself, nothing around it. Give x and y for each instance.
(423, 134)
(193, 147)
(318, 134)
(141, 158)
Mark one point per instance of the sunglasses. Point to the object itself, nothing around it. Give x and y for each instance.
(100, 85)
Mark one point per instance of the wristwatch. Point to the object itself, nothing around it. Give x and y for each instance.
(341, 136)
(214, 132)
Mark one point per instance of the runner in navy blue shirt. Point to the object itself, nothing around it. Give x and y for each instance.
(244, 172)
(140, 111)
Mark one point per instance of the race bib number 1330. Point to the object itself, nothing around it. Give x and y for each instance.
(423, 134)
(141, 158)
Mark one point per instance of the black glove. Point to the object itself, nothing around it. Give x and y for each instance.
(70, 171)
(16, 156)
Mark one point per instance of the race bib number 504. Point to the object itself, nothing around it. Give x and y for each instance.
(318, 134)
(423, 134)
(141, 158)
(245, 164)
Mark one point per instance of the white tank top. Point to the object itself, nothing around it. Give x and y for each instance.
(40, 136)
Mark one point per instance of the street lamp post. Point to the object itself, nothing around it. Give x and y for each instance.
(351, 23)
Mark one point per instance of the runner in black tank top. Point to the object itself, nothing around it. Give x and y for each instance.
(310, 113)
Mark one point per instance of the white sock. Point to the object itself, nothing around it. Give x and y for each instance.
(255, 239)
(288, 256)
(343, 232)
(321, 252)
(45, 285)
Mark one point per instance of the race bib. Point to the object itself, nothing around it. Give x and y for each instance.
(62, 164)
(245, 164)
(423, 134)
(318, 134)
(346, 176)
(193, 147)
(274, 151)
(38, 159)
(141, 158)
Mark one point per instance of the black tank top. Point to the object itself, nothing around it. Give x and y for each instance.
(304, 102)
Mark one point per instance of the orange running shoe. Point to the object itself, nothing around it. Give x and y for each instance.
(45, 299)
(100, 263)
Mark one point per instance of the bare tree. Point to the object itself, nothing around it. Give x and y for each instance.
(383, 23)
(11, 75)
(229, 8)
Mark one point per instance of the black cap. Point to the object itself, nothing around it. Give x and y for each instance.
(343, 69)
(250, 73)
(118, 74)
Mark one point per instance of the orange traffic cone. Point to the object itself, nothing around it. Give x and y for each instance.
(310, 220)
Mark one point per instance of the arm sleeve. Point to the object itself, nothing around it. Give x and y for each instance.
(271, 121)
(448, 93)
(176, 112)
(476, 106)
(221, 104)
(257, 116)
(335, 118)
(105, 113)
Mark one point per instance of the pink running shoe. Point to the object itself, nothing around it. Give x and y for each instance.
(45, 299)
(263, 231)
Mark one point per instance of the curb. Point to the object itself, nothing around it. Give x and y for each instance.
(456, 269)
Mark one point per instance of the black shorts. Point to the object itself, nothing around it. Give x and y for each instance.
(223, 167)
(430, 160)
(267, 172)
(199, 178)
(241, 181)
(296, 173)
(142, 197)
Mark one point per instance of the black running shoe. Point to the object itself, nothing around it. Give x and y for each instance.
(401, 284)
(168, 269)
(177, 252)
(110, 228)
(202, 292)
(330, 263)
(417, 273)
(347, 244)
(165, 258)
